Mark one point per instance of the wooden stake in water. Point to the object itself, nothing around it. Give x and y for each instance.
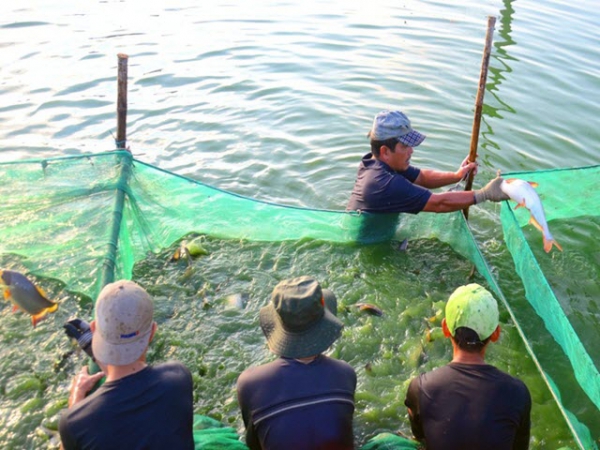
(122, 101)
(485, 62)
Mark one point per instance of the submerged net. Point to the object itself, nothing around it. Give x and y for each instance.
(90, 219)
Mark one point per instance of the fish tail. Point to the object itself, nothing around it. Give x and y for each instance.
(37, 318)
(548, 243)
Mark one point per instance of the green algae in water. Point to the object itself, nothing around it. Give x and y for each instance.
(574, 275)
(34, 375)
(217, 341)
(201, 328)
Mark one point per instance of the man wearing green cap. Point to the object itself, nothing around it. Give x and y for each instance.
(469, 404)
(303, 399)
(387, 183)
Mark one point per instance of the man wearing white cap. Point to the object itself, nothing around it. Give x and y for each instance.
(387, 183)
(303, 400)
(469, 404)
(139, 406)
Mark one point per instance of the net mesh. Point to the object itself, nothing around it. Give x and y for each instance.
(566, 195)
(89, 219)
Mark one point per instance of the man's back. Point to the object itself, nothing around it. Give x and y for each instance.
(151, 409)
(290, 405)
(470, 406)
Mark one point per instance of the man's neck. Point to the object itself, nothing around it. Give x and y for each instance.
(307, 360)
(114, 373)
(463, 357)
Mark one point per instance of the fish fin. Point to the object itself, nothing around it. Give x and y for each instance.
(521, 205)
(536, 224)
(41, 292)
(37, 318)
(15, 308)
(533, 184)
(6, 294)
(176, 255)
(548, 243)
(510, 180)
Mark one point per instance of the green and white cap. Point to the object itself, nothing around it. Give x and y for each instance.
(472, 306)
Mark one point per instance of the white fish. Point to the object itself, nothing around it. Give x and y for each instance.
(524, 194)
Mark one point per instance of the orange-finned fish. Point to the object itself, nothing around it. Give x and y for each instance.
(26, 296)
(370, 308)
(524, 194)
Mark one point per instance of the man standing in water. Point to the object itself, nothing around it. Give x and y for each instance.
(303, 399)
(469, 404)
(387, 183)
(139, 406)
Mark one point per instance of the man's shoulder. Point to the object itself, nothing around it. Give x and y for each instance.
(171, 367)
(483, 371)
(338, 364)
(274, 368)
(259, 372)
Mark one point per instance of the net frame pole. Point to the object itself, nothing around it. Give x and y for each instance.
(485, 62)
(122, 100)
(108, 267)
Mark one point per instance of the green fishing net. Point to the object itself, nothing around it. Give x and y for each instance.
(87, 220)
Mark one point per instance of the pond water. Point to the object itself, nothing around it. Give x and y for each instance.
(272, 100)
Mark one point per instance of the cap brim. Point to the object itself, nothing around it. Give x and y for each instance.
(307, 343)
(412, 139)
(119, 354)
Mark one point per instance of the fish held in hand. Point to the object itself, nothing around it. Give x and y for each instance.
(26, 296)
(524, 194)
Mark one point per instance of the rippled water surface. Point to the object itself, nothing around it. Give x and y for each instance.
(273, 100)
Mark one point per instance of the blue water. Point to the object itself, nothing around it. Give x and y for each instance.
(273, 99)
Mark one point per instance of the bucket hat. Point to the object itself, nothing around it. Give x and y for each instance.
(299, 321)
(394, 125)
(472, 306)
(123, 323)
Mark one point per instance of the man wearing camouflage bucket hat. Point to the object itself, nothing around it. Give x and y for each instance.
(303, 399)
(469, 404)
(387, 183)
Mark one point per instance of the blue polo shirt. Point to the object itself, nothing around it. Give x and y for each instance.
(380, 189)
(289, 405)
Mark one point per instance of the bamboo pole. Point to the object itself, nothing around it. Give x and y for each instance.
(125, 162)
(122, 101)
(479, 102)
(108, 271)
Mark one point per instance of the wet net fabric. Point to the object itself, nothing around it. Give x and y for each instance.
(568, 195)
(87, 220)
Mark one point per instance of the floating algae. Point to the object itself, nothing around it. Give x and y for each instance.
(218, 342)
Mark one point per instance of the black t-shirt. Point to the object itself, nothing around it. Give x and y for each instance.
(469, 406)
(294, 406)
(151, 409)
(380, 189)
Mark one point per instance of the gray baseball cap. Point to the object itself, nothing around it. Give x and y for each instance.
(394, 125)
(123, 323)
